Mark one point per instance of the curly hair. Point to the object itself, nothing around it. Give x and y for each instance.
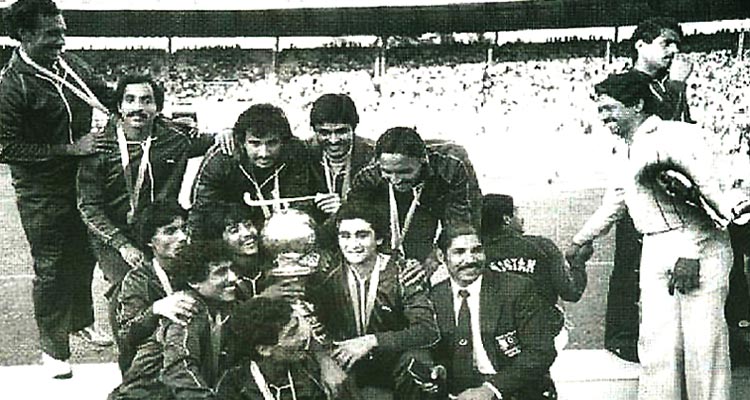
(257, 322)
(193, 261)
(24, 14)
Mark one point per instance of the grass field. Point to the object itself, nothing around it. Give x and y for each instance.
(556, 215)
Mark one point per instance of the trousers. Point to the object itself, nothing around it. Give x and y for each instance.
(684, 335)
(63, 268)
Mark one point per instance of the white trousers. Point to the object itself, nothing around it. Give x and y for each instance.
(683, 344)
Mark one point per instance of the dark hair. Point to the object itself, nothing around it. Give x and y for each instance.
(24, 15)
(494, 208)
(451, 232)
(213, 222)
(652, 28)
(401, 140)
(263, 120)
(627, 88)
(132, 79)
(256, 322)
(372, 213)
(192, 262)
(334, 108)
(155, 216)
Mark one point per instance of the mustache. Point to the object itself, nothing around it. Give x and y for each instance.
(608, 120)
(472, 265)
(137, 114)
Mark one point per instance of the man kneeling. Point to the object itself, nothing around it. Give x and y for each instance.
(497, 332)
(378, 315)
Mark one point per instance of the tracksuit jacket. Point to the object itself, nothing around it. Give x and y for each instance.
(103, 197)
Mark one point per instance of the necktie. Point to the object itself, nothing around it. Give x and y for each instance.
(463, 355)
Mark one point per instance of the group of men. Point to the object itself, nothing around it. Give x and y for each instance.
(312, 268)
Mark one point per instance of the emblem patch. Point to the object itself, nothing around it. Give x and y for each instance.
(508, 344)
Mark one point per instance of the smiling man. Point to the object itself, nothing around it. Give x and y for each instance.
(658, 64)
(115, 189)
(686, 253)
(195, 352)
(416, 189)
(338, 152)
(496, 331)
(378, 318)
(46, 101)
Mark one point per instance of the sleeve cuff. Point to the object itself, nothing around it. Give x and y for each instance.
(494, 390)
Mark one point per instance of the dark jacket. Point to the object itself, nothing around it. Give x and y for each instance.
(509, 304)
(34, 117)
(402, 319)
(238, 383)
(140, 352)
(363, 151)
(223, 180)
(538, 258)
(103, 197)
(445, 198)
(668, 98)
(194, 358)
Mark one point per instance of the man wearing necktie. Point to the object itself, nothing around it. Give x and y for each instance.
(46, 103)
(497, 332)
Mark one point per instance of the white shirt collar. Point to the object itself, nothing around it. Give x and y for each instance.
(473, 288)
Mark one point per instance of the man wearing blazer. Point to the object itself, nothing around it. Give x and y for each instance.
(497, 333)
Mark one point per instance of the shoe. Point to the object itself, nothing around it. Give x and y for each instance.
(627, 353)
(56, 369)
(91, 335)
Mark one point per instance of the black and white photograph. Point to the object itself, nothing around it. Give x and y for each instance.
(375, 199)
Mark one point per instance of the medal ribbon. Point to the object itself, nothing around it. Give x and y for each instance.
(363, 306)
(134, 191)
(83, 93)
(163, 278)
(275, 192)
(398, 234)
(331, 176)
(264, 387)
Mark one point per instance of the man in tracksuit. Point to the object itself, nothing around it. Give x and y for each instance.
(337, 151)
(417, 188)
(46, 101)
(272, 169)
(115, 188)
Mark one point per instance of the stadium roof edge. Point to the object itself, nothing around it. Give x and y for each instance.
(412, 20)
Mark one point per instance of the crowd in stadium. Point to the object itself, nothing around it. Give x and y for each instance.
(371, 265)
